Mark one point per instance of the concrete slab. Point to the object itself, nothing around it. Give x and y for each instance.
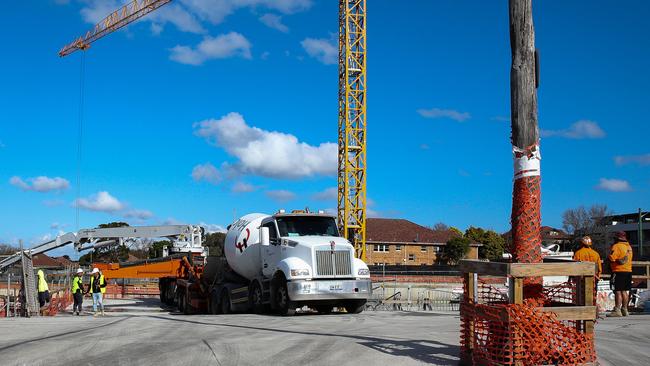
(135, 333)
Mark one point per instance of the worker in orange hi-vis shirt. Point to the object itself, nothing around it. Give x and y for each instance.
(620, 260)
(587, 254)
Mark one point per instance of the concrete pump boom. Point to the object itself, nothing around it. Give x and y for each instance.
(184, 238)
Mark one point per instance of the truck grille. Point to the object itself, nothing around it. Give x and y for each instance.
(335, 263)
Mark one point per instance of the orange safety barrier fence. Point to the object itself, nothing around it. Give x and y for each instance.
(496, 332)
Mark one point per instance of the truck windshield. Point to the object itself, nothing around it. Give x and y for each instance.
(307, 225)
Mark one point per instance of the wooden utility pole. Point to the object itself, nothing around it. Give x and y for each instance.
(526, 218)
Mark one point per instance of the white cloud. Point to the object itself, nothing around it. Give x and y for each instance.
(177, 15)
(243, 187)
(57, 226)
(138, 214)
(614, 185)
(643, 159)
(281, 195)
(267, 153)
(206, 172)
(324, 50)
(188, 15)
(100, 202)
(212, 228)
(583, 129)
(274, 21)
(425, 146)
(444, 113)
(40, 184)
(329, 194)
(173, 221)
(222, 46)
(500, 118)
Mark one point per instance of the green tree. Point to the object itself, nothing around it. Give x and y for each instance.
(156, 248)
(456, 249)
(493, 243)
(214, 242)
(455, 231)
(109, 253)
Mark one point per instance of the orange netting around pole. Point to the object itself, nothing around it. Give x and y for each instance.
(495, 332)
(526, 221)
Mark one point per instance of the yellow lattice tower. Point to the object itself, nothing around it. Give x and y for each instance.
(352, 123)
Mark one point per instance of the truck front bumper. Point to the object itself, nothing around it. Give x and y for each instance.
(303, 290)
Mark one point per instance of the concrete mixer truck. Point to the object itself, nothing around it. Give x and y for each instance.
(278, 263)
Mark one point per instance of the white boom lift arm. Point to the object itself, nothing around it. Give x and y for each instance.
(184, 239)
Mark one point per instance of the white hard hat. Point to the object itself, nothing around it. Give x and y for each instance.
(79, 270)
(95, 270)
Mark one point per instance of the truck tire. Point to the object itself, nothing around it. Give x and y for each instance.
(256, 298)
(225, 302)
(355, 306)
(181, 302)
(187, 306)
(215, 306)
(283, 303)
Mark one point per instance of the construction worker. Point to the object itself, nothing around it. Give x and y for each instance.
(43, 289)
(620, 260)
(587, 254)
(97, 288)
(77, 291)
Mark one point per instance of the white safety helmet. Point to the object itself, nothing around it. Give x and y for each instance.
(95, 270)
(79, 270)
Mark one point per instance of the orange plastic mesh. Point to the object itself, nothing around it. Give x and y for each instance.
(494, 332)
(59, 302)
(526, 221)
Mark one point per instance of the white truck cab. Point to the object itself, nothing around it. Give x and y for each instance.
(303, 260)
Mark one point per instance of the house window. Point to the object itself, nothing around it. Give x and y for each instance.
(411, 257)
(423, 248)
(398, 248)
(436, 249)
(381, 248)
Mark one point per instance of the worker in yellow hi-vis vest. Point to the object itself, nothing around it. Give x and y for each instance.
(97, 287)
(77, 291)
(43, 289)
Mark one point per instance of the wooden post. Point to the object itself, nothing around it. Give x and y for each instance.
(589, 300)
(526, 218)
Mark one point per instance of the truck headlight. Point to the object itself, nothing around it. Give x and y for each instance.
(363, 272)
(299, 272)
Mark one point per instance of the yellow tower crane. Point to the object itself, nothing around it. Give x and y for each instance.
(352, 123)
(352, 104)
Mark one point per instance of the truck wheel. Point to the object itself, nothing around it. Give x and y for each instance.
(256, 298)
(187, 306)
(284, 304)
(225, 302)
(215, 306)
(355, 306)
(181, 302)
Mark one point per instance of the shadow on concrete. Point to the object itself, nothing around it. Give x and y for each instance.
(426, 351)
(92, 329)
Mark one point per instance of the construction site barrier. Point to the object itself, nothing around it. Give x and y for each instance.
(514, 324)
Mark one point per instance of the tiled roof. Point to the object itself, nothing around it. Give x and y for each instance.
(403, 231)
(42, 260)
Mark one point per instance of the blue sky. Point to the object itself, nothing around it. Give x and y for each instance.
(208, 109)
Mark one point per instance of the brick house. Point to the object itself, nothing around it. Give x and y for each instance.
(402, 242)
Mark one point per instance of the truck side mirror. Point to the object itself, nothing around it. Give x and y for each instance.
(264, 236)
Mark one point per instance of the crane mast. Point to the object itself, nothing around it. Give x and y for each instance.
(352, 123)
(352, 104)
(121, 17)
